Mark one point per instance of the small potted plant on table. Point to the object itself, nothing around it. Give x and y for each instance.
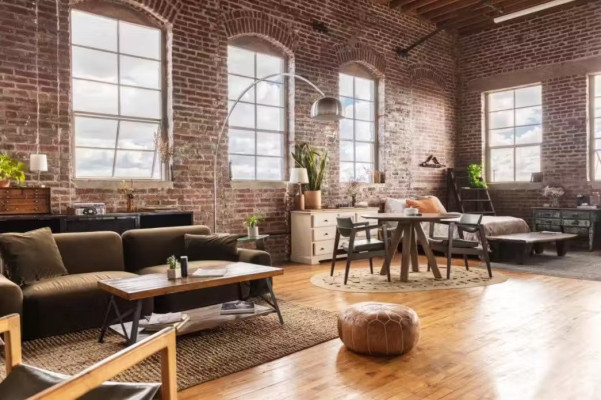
(174, 271)
(10, 170)
(252, 225)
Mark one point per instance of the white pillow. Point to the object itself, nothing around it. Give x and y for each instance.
(396, 206)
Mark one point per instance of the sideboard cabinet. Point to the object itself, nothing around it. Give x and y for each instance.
(584, 223)
(313, 232)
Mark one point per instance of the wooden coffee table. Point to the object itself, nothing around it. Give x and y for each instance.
(522, 244)
(143, 287)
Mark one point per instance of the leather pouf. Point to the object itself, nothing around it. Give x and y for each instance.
(378, 329)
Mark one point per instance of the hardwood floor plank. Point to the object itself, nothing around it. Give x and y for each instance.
(532, 337)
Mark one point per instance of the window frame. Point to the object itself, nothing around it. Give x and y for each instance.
(514, 146)
(593, 96)
(356, 70)
(125, 14)
(259, 45)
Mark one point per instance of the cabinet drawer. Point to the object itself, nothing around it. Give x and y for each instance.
(325, 219)
(325, 247)
(576, 222)
(575, 215)
(325, 233)
(551, 228)
(548, 221)
(547, 214)
(576, 230)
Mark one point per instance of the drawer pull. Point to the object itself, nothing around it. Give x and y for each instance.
(326, 234)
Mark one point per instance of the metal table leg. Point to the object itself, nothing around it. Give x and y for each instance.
(274, 301)
(133, 335)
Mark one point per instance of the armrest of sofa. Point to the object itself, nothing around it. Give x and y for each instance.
(254, 257)
(11, 297)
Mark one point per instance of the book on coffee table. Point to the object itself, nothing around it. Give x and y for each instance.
(238, 307)
(209, 273)
(156, 322)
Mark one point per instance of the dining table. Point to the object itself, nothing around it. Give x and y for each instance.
(410, 231)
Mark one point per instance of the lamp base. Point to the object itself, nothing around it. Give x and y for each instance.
(299, 201)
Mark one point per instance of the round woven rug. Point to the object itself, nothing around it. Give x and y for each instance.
(360, 280)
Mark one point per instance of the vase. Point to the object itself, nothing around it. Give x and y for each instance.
(353, 201)
(173, 274)
(4, 184)
(312, 199)
(555, 202)
(130, 205)
(253, 231)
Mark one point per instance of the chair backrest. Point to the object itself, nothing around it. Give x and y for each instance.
(344, 225)
(470, 219)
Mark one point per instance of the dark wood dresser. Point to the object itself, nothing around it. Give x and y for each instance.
(26, 200)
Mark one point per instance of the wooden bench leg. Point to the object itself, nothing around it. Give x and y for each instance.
(562, 248)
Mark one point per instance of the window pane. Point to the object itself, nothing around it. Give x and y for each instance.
(236, 85)
(242, 142)
(269, 144)
(364, 172)
(347, 171)
(346, 151)
(243, 115)
(529, 96)
(598, 106)
(500, 119)
(364, 110)
(93, 163)
(134, 164)
(345, 83)
(501, 165)
(364, 89)
(528, 116)
(95, 97)
(94, 64)
(364, 131)
(240, 61)
(93, 31)
(598, 85)
(269, 168)
(346, 129)
(500, 101)
(140, 103)
(269, 65)
(270, 93)
(270, 118)
(138, 40)
(137, 135)
(527, 161)
(243, 167)
(140, 72)
(347, 106)
(598, 127)
(364, 152)
(95, 132)
(501, 137)
(528, 134)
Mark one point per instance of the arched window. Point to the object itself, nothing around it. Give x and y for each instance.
(358, 131)
(257, 126)
(118, 93)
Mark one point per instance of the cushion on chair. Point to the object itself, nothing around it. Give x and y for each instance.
(25, 381)
(365, 245)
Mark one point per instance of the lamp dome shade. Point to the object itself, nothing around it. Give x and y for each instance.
(327, 109)
(299, 175)
(38, 163)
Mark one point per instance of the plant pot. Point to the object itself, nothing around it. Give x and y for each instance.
(253, 231)
(173, 274)
(4, 184)
(312, 199)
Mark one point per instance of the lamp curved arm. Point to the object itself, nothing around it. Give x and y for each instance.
(265, 78)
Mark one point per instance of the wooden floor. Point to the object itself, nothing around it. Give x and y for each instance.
(532, 337)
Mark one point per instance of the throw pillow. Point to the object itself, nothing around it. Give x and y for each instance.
(441, 208)
(211, 247)
(425, 206)
(31, 256)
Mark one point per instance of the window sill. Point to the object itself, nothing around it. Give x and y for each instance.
(114, 184)
(515, 186)
(241, 184)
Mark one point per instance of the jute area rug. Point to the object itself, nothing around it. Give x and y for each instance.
(202, 356)
(360, 280)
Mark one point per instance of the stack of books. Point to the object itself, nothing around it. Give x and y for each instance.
(156, 322)
(238, 307)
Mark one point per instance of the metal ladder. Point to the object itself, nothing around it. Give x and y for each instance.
(468, 199)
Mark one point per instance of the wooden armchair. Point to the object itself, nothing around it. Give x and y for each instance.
(471, 223)
(27, 382)
(358, 249)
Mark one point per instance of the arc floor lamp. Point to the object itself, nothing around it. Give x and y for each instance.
(326, 108)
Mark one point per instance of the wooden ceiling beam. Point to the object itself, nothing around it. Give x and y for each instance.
(454, 6)
(417, 4)
(399, 3)
(438, 5)
(509, 6)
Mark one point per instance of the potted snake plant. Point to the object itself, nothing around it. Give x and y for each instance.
(315, 162)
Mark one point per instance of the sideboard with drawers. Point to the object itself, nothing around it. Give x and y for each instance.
(313, 232)
(584, 223)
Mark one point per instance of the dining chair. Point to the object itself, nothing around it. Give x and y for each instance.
(470, 223)
(24, 381)
(358, 248)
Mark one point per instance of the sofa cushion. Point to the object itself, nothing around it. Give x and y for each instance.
(90, 251)
(68, 303)
(31, 256)
(211, 247)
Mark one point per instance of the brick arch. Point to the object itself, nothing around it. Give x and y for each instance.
(425, 72)
(162, 11)
(364, 55)
(252, 23)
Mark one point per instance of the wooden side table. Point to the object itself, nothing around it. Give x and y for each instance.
(259, 241)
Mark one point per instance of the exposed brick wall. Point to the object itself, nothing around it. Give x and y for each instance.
(199, 31)
(541, 43)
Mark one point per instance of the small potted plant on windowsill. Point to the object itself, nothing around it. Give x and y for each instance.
(174, 271)
(252, 225)
(315, 162)
(10, 170)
